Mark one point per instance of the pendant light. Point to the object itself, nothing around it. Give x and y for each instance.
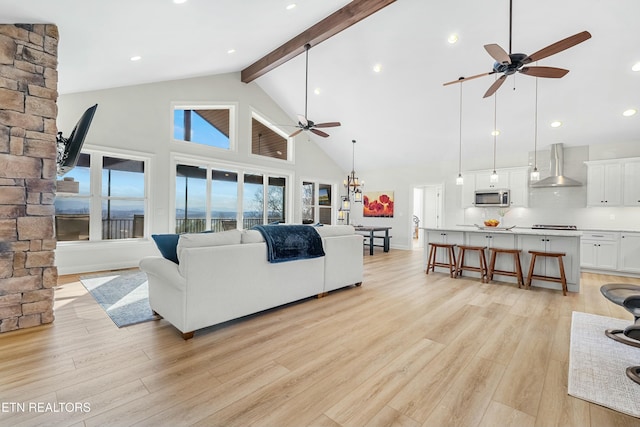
(494, 175)
(352, 184)
(459, 179)
(535, 175)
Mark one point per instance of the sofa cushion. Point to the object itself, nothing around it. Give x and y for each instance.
(198, 240)
(335, 230)
(252, 236)
(167, 244)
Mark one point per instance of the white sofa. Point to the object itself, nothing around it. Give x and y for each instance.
(224, 276)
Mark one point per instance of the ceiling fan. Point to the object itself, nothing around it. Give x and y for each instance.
(510, 63)
(303, 122)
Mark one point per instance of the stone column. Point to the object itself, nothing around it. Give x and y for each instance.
(28, 111)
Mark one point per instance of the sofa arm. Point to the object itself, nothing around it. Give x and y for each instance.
(163, 269)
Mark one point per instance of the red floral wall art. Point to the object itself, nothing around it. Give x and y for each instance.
(378, 204)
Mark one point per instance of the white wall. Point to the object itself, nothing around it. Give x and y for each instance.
(139, 118)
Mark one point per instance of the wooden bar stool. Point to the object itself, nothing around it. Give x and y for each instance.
(451, 265)
(562, 279)
(481, 259)
(516, 258)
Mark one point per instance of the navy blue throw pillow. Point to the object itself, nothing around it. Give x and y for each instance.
(167, 244)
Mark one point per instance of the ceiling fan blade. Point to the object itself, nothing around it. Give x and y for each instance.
(464, 79)
(549, 72)
(295, 133)
(495, 86)
(327, 125)
(303, 120)
(498, 53)
(319, 133)
(559, 46)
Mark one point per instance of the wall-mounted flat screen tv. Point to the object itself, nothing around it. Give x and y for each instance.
(69, 148)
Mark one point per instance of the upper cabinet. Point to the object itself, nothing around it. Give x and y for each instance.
(514, 179)
(631, 179)
(604, 183)
(613, 182)
(483, 180)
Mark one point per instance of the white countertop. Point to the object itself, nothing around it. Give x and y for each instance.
(515, 230)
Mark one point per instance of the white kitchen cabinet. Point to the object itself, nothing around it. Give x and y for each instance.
(549, 266)
(468, 190)
(514, 179)
(483, 180)
(519, 186)
(630, 252)
(631, 183)
(437, 236)
(604, 183)
(493, 240)
(599, 250)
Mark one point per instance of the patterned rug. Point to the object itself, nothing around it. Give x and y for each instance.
(597, 364)
(123, 296)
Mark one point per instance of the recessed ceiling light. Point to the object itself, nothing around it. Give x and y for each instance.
(630, 112)
(179, 1)
(453, 38)
(230, 51)
(495, 132)
(317, 91)
(556, 124)
(136, 58)
(377, 68)
(291, 6)
(636, 66)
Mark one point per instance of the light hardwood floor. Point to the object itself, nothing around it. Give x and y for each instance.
(405, 349)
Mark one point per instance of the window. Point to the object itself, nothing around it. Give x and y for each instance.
(110, 209)
(191, 196)
(208, 198)
(206, 125)
(316, 200)
(73, 210)
(123, 198)
(267, 140)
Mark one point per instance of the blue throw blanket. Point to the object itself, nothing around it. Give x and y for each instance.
(291, 242)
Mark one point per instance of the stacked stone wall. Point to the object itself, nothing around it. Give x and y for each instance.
(28, 111)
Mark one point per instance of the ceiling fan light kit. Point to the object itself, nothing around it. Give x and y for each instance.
(304, 124)
(511, 63)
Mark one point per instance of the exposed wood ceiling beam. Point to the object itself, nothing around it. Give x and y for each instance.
(343, 18)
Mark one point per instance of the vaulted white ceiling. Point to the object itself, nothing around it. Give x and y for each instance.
(400, 116)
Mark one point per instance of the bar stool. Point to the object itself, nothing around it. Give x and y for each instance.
(516, 258)
(562, 279)
(451, 264)
(481, 259)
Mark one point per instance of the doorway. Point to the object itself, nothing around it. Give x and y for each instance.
(427, 211)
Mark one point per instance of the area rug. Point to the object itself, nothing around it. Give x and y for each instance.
(123, 296)
(597, 364)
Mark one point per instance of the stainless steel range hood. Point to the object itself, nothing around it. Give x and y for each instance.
(556, 179)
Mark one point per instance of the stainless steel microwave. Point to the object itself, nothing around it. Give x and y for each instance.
(500, 198)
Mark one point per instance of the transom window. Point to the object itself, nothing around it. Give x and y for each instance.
(205, 125)
(267, 140)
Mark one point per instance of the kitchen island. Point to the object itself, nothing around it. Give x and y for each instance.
(525, 239)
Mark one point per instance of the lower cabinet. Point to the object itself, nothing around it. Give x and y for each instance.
(455, 237)
(549, 266)
(492, 240)
(630, 252)
(599, 250)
